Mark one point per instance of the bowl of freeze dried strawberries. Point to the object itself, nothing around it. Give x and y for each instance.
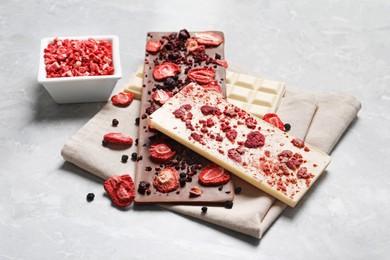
(79, 69)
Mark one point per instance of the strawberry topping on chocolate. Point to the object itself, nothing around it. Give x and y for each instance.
(208, 110)
(122, 99)
(161, 152)
(213, 175)
(120, 189)
(153, 46)
(201, 76)
(213, 86)
(208, 38)
(221, 63)
(254, 140)
(165, 70)
(274, 120)
(161, 96)
(167, 180)
(118, 138)
(298, 142)
(195, 192)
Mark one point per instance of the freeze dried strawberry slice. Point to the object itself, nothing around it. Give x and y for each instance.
(118, 138)
(192, 45)
(213, 86)
(161, 152)
(122, 99)
(213, 175)
(202, 76)
(195, 192)
(161, 96)
(222, 63)
(120, 189)
(153, 46)
(208, 38)
(165, 70)
(167, 180)
(274, 120)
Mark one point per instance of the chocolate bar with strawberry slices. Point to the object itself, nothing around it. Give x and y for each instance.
(167, 171)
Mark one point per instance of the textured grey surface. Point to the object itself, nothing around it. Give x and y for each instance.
(316, 45)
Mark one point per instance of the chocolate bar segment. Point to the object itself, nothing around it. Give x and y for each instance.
(256, 151)
(169, 173)
(255, 95)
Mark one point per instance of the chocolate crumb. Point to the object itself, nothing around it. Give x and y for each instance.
(134, 157)
(287, 127)
(228, 204)
(204, 209)
(124, 158)
(237, 190)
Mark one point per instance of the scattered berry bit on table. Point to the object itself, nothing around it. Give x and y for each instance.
(120, 189)
(117, 138)
(122, 99)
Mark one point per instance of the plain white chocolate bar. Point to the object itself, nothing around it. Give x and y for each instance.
(256, 95)
(268, 158)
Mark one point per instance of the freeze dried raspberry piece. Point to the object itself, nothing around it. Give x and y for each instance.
(208, 110)
(165, 70)
(231, 134)
(153, 46)
(161, 152)
(201, 76)
(161, 96)
(118, 138)
(70, 58)
(208, 38)
(167, 180)
(254, 140)
(274, 120)
(298, 142)
(122, 99)
(213, 175)
(120, 189)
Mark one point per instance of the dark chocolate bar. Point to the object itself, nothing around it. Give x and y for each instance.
(186, 52)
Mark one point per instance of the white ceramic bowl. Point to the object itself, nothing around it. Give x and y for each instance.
(83, 88)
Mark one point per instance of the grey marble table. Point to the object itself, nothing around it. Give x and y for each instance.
(316, 45)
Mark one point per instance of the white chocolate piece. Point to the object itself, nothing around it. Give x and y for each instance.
(261, 166)
(255, 95)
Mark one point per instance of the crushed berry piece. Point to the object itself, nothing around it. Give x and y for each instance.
(148, 168)
(182, 182)
(218, 56)
(204, 209)
(237, 190)
(254, 140)
(189, 179)
(228, 204)
(136, 142)
(115, 122)
(124, 158)
(90, 197)
(183, 175)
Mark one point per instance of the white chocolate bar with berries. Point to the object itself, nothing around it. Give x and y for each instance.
(256, 95)
(268, 158)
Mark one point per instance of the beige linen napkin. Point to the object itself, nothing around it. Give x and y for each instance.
(253, 211)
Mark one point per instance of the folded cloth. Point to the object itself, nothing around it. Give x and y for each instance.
(254, 211)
